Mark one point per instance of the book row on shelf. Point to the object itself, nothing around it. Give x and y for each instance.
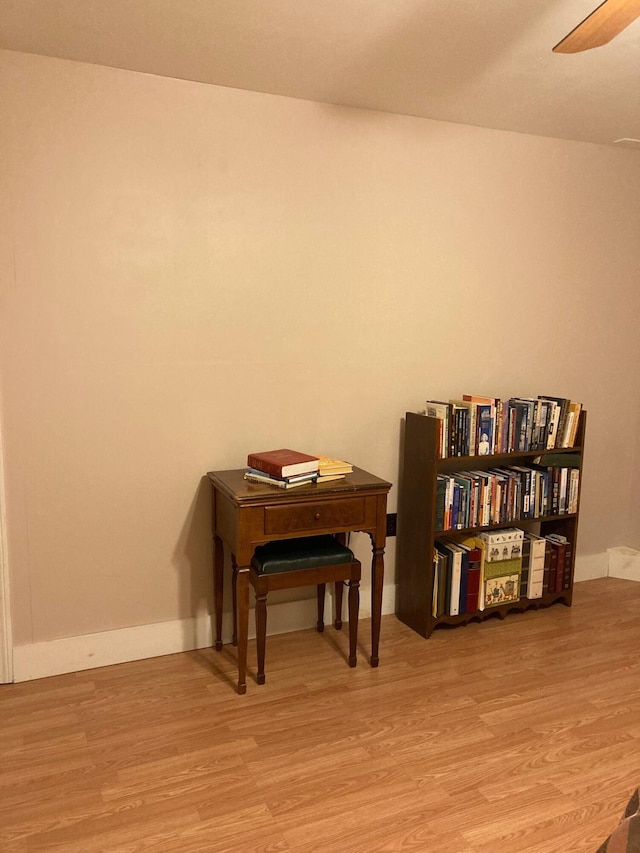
(287, 468)
(481, 426)
(498, 567)
(466, 499)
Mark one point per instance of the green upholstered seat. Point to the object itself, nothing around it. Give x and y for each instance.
(290, 555)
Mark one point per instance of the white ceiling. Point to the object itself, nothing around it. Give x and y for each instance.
(481, 62)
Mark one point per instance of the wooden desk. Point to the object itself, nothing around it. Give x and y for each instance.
(247, 514)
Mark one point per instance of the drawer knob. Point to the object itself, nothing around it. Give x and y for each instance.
(317, 516)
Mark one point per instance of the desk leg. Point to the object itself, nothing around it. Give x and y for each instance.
(354, 606)
(218, 587)
(377, 583)
(234, 599)
(242, 587)
(339, 588)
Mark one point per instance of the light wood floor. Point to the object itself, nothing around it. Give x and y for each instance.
(514, 735)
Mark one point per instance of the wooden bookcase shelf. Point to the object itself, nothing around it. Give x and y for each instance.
(417, 532)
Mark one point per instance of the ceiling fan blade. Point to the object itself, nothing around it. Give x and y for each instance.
(609, 19)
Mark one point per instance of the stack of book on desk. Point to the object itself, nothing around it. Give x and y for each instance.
(332, 469)
(283, 468)
(288, 468)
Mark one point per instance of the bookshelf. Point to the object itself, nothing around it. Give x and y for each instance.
(417, 523)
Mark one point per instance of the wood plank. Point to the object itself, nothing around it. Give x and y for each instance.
(522, 735)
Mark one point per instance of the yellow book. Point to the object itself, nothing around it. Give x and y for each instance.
(327, 465)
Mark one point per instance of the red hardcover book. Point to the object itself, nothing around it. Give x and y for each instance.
(283, 463)
(473, 585)
(563, 567)
(474, 546)
(558, 543)
(551, 565)
(560, 567)
(568, 560)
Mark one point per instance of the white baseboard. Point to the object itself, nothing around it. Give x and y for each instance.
(624, 563)
(590, 567)
(620, 562)
(73, 654)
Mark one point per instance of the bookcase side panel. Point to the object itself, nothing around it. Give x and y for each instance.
(414, 549)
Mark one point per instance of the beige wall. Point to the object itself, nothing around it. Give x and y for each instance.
(190, 273)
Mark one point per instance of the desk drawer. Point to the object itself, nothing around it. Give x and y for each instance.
(331, 515)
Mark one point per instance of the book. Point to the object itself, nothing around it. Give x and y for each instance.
(466, 412)
(559, 543)
(568, 566)
(464, 511)
(436, 581)
(442, 411)
(526, 566)
(455, 506)
(550, 567)
(471, 484)
(476, 436)
(445, 567)
(500, 495)
(327, 465)
(473, 547)
(542, 423)
(573, 419)
(563, 409)
(454, 559)
(574, 487)
(536, 547)
(526, 415)
(460, 437)
(553, 420)
(501, 588)
(485, 422)
(504, 544)
(547, 569)
(563, 496)
(464, 578)
(502, 566)
(485, 481)
(500, 426)
(441, 497)
(281, 484)
(448, 502)
(283, 462)
(293, 478)
(524, 475)
(561, 482)
(440, 582)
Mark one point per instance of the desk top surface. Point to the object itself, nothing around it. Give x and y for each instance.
(242, 491)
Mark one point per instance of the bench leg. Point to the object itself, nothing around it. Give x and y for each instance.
(321, 592)
(339, 586)
(354, 606)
